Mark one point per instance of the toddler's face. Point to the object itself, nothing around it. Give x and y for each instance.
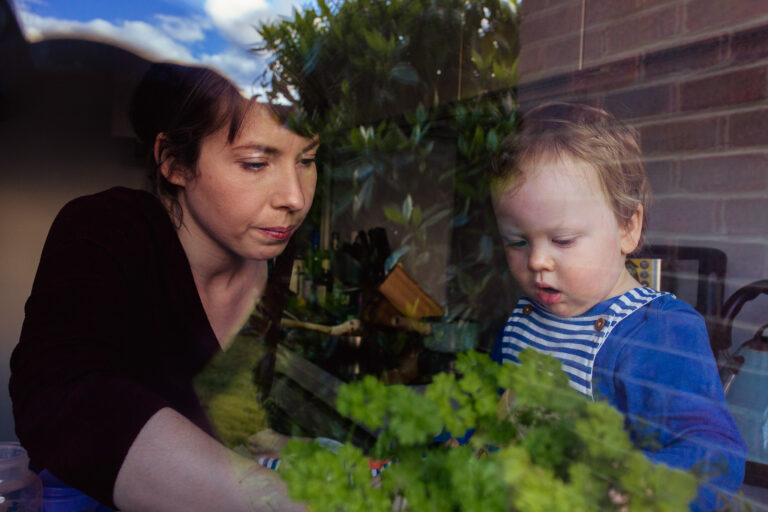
(562, 241)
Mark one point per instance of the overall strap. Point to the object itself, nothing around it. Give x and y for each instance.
(575, 341)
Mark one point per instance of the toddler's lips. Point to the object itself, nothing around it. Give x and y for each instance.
(548, 295)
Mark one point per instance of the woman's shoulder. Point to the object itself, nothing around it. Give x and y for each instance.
(113, 202)
(115, 209)
(120, 221)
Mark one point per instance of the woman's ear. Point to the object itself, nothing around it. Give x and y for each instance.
(631, 231)
(166, 163)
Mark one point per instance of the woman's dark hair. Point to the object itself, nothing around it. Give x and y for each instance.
(185, 104)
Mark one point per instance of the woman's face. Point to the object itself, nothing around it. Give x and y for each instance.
(246, 198)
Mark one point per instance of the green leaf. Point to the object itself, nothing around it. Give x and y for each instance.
(395, 215)
(363, 197)
(404, 73)
(407, 209)
(421, 114)
(492, 140)
(435, 218)
(416, 217)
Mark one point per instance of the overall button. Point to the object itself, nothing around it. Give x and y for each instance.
(599, 324)
(527, 309)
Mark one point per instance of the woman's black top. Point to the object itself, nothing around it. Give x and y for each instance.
(114, 330)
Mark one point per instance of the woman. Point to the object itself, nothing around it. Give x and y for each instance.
(136, 292)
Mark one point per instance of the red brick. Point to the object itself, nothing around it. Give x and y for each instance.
(746, 216)
(681, 136)
(748, 128)
(746, 263)
(531, 60)
(733, 88)
(607, 76)
(594, 45)
(550, 24)
(557, 87)
(643, 102)
(681, 59)
(731, 173)
(646, 28)
(704, 15)
(527, 8)
(663, 176)
(561, 53)
(598, 12)
(750, 45)
(684, 216)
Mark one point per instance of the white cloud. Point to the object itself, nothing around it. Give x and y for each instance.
(137, 36)
(23, 5)
(240, 66)
(185, 30)
(236, 19)
(171, 37)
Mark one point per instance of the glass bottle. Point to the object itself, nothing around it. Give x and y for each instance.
(296, 283)
(324, 282)
(20, 488)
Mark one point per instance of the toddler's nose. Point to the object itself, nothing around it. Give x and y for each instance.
(540, 260)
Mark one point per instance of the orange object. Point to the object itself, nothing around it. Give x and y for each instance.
(378, 464)
(407, 297)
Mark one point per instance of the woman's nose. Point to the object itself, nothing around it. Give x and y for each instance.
(288, 192)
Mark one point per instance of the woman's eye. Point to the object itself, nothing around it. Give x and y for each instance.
(306, 162)
(254, 166)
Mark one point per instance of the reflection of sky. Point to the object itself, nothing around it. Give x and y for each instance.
(216, 33)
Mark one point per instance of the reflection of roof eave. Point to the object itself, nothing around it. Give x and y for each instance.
(14, 49)
(69, 53)
(9, 25)
(120, 68)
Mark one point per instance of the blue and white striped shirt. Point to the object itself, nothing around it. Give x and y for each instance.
(575, 341)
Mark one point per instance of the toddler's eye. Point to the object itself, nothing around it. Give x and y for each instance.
(516, 244)
(563, 242)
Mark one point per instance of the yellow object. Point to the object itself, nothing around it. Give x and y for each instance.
(407, 297)
(647, 271)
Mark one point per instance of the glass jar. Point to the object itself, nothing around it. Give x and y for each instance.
(20, 488)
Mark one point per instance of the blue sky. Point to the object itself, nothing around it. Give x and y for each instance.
(216, 33)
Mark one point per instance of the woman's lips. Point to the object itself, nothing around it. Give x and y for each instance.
(277, 233)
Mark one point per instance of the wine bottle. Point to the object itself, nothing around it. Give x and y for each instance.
(324, 282)
(297, 277)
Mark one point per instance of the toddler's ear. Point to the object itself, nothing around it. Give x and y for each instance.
(631, 231)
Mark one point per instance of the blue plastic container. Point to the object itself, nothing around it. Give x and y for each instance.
(60, 497)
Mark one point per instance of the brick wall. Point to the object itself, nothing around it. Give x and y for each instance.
(692, 77)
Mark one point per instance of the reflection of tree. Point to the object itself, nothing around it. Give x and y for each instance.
(366, 60)
(402, 95)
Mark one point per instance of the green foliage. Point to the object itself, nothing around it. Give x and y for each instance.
(360, 61)
(410, 99)
(228, 394)
(543, 447)
(312, 471)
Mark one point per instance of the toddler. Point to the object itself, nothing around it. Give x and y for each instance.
(570, 194)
